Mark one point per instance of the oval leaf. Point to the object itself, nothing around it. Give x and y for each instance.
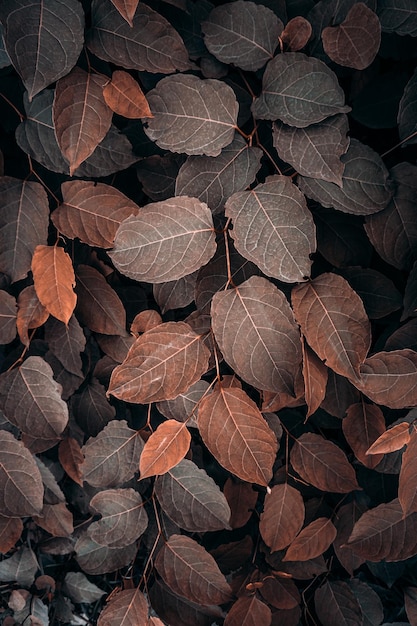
(363, 424)
(164, 449)
(124, 96)
(165, 241)
(312, 541)
(123, 517)
(273, 227)
(315, 375)
(282, 517)
(77, 586)
(398, 16)
(248, 611)
(54, 279)
(128, 607)
(333, 320)
(335, 603)
(296, 33)
(192, 115)
(323, 464)
(391, 440)
(233, 429)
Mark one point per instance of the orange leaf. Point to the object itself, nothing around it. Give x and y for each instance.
(127, 9)
(166, 447)
(391, 440)
(54, 279)
(312, 541)
(124, 96)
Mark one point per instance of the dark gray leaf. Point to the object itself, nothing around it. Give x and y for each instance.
(365, 183)
(91, 408)
(20, 568)
(299, 90)
(192, 115)
(314, 151)
(151, 44)
(8, 314)
(407, 119)
(77, 586)
(175, 294)
(410, 294)
(95, 559)
(214, 180)
(66, 342)
(378, 293)
(398, 16)
(4, 57)
(158, 175)
(242, 33)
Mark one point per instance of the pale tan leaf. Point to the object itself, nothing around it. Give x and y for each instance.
(54, 279)
(166, 447)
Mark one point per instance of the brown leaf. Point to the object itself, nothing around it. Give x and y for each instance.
(92, 212)
(262, 344)
(296, 34)
(248, 611)
(282, 517)
(340, 394)
(242, 500)
(56, 519)
(233, 429)
(315, 375)
(183, 408)
(71, 458)
(127, 9)
(66, 342)
(95, 559)
(175, 294)
(335, 603)
(112, 457)
(31, 399)
(281, 593)
(98, 305)
(178, 611)
(8, 317)
(312, 541)
(30, 314)
(115, 346)
(323, 464)
(91, 408)
(355, 42)
(124, 96)
(346, 517)
(21, 488)
(390, 378)
(10, 530)
(391, 440)
(164, 449)
(165, 241)
(123, 518)
(385, 533)
(407, 486)
(192, 499)
(54, 279)
(363, 424)
(128, 607)
(162, 363)
(80, 114)
(190, 571)
(145, 320)
(333, 319)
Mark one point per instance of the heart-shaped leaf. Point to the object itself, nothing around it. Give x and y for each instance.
(123, 517)
(54, 279)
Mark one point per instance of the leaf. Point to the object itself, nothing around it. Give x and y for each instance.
(347, 516)
(385, 533)
(335, 603)
(298, 90)
(99, 307)
(8, 317)
(20, 568)
(323, 464)
(158, 175)
(390, 378)
(365, 185)
(128, 607)
(334, 322)
(312, 541)
(363, 424)
(92, 212)
(111, 458)
(123, 517)
(273, 227)
(66, 342)
(233, 429)
(164, 449)
(407, 486)
(263, 344)
(71, 458)
(281, 593)
(11, 529)
(165, 241)
(242, 499)
(355, 42)
(378, 293)
(391, 440)
(20, 480)
(315, 151)
(162, 363)
(315, 375)
(242, 33)
(214, 180)
(77, 586)
(56, 519)
(54, 279)
(398, 16)
(127, 9)
(151, 44)
(95, 559)
(48, 45)
(190, 571)
(91, 408)
(192, 115)
(282, 517)
(296, 33)
(410, 601)
(340, 394)
(183, 407)
(31, 399)
(30, 314)
(249, 611)
(124, 96)
(179, 611)
(369, 601)
(192, 499)
(24, 215)
(145, 320)
(80, 114)
(175, 294)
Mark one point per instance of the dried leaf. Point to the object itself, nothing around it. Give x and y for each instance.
(249, 611)
(71, 458)
(312, 541)
(8, 317)
(124, 96)
(128, 607)
(30, 314)
(54, 279)
(315, 375)
(363, 424)
(391, 440)
(282, 517)
(164, 449)
(335, 603)
(296, 33)
(123, 518)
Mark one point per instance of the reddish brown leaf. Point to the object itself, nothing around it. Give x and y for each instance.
(10, 530)
(385, 533)
(190, 571)
(99, 307)
(54, 279)
(124, 96)
(8, 315)
(391, 440)
(92, 212)
(335, 603)
(296, 33)
(323, 464)
(123, 517)
(162, 363)
(233, 429)
(346, 517)
(312, 541)
(164, 449)
(333, 319)
(71, 458)
(80, 114)
(242, 500)
(263, 342)
(282, 517)
(95, 559)
(30, 314)
(56, 519)
(355, 42)
(407, 487)
(281, 593)
(315, 375)
(145, 320)
(248, 611)
(126, 8)
(363, 424)
(128, 607)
